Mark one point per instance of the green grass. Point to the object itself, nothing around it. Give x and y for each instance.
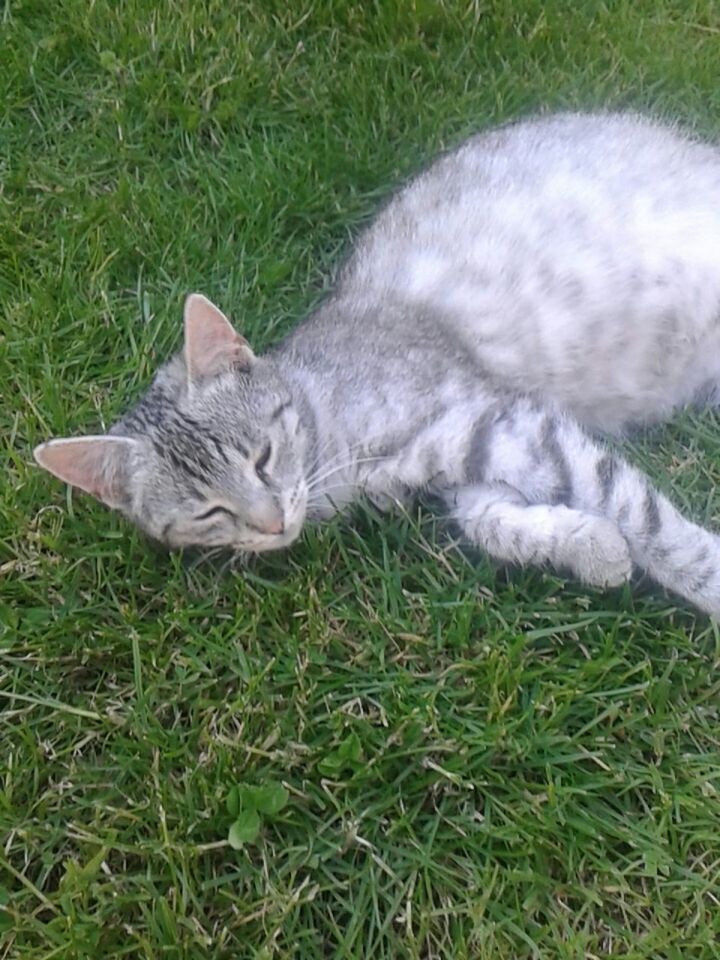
(539, 774)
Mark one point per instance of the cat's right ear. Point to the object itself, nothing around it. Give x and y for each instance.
(212, 345)
(100, 465)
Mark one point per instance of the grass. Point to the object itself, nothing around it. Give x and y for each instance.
(480, 763)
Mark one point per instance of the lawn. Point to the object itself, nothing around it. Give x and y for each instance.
(477, 762)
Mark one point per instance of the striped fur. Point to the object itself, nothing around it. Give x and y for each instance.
(539, 285)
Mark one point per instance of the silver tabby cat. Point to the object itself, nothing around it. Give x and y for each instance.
(545, 281)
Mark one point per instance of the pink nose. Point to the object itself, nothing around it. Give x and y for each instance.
(274, 525)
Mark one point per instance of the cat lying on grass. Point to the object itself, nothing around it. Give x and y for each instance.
(544, 282)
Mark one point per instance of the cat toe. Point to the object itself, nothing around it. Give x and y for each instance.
(603, 556)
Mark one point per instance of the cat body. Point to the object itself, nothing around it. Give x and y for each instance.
(549, 276)
(576, 257)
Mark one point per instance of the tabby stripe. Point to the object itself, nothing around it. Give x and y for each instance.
(182, 463)
(280, 410)
(477, 454)
(218, 447)
(605, 470)
(240, 448)
(652, 513)
(551, 446)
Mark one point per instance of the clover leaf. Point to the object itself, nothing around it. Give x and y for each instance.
(245, 803)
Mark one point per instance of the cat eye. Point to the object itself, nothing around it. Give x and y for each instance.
(262, 462)
(213, 512)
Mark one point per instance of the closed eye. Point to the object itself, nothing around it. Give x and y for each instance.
(214, 511)
(262, 462)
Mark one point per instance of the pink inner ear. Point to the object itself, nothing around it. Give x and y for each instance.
(97, 465)
(211, 343)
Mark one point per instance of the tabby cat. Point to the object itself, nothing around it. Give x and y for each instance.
(545, 281)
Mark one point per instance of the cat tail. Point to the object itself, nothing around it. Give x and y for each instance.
(549, 459)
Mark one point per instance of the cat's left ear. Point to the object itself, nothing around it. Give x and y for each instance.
(212, 345)
(100, 465)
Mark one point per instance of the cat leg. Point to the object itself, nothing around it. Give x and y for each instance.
(548, 458)
(502, 522)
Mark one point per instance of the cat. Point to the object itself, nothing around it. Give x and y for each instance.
(544, 282)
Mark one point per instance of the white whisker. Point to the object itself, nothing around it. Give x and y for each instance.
(205, 557)
(314, 482)
(345, 451)
(319, 454)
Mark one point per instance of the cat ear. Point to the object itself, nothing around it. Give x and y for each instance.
(212, 346)
(98, 465)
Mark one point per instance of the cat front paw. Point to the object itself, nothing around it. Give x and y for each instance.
(598, 554)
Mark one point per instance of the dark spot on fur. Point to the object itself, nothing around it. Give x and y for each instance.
(652, 513)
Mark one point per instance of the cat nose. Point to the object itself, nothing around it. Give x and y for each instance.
(272, 523)
(276, 526)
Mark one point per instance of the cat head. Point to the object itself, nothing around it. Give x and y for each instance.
(212, 455)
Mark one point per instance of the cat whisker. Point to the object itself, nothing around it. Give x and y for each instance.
(320, 453)
(228, 564)
(345, 451)
(317, 495)
(205, 556)
(237, 558)
(314, 482)
(329, 466)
